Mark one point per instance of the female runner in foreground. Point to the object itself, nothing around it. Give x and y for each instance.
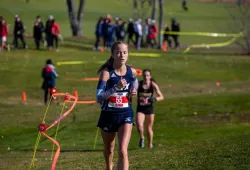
(116, 84)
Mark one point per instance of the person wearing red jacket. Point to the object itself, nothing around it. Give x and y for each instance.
(55, 33)
(1, 18)
(4, 35)
(153, 33)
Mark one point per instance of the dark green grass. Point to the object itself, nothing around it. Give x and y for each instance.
(197, 126)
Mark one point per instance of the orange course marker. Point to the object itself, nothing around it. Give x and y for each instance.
(165, 46)
(83, 79)
(91, 79)
(139, 72)
(53, 166)
(75, 93)
(43, 129)
(82, 101)
(24, 98)
(218, 84)
(101, 49)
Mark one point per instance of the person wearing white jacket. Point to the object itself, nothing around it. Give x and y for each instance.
(138, 34)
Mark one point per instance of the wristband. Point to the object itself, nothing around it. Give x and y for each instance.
(152, 100)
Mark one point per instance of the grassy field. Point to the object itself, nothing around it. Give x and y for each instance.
(198, 126)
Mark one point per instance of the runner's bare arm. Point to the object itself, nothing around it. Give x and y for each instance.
(135, 80)
(158, 93)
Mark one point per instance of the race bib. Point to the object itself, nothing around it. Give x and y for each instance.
(144, 101)
(118, 100)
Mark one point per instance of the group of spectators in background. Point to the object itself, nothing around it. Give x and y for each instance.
(51, 30)
(140, 34)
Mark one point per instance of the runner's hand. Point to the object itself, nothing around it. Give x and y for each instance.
(122, 83)
(134, 92)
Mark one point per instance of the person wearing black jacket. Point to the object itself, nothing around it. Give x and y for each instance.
(18, 32)
(175, 28)
(184, 5)
(167, 36)
(37, 32)
(49, 76)
(120, 31)
(98, 33)
(48, 32)
(130, 31)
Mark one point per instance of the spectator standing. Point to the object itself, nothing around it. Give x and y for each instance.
(38, 29)
(98, 33)
(130, 31)
(48, 32)
(55, 30)
(4, 34)
(49, 76)
(138, 34)
(153, 33)
(1, 18)
(18, 32)
(175, 28)
(167, 36)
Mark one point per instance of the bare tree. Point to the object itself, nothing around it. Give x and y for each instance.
(161, 19)
(141, 15)
(75, 21)
(142, 3)
(80, 16)
(140, 8)
(150, 2)
(241, 18)
(144, 9)
(153, 16)
(135, 8)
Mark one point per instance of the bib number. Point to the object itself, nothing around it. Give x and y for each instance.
(119, 100)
